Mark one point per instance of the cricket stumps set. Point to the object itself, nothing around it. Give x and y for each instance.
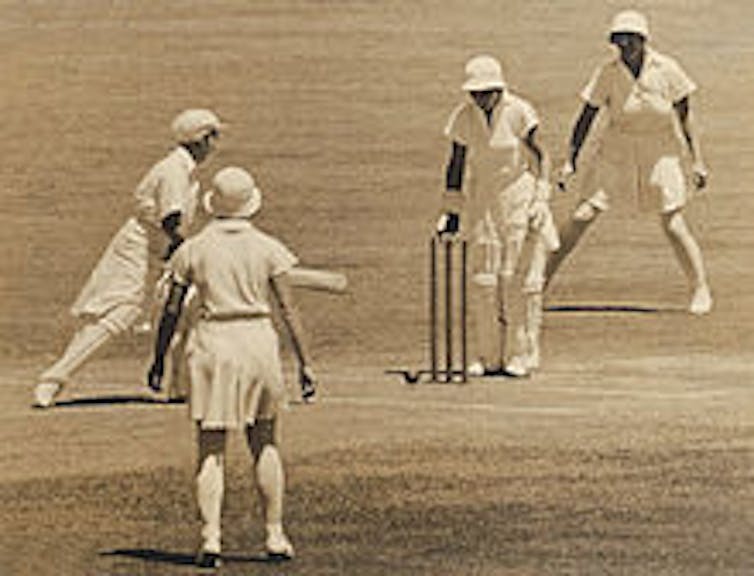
(447, 314)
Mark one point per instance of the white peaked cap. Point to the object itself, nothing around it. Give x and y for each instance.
(194, 124)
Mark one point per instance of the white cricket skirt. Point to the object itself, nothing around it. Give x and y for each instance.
(234, 371)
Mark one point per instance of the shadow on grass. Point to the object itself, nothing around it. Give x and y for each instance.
(612, 309)
(116, 400)
(183, 559)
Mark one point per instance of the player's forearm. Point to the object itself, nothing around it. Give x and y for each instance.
(581, 131)
(281, 290)
(691, 135)
(542, 167)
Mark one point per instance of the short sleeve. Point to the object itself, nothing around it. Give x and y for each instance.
(679, 83)
(180, 264)
(458, 126)
(595, 93)
(526, 119)
(171, 190)
(279, 258)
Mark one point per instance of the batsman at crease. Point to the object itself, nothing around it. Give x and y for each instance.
(496, 193)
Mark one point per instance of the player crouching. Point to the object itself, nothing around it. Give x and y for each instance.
(233, 358)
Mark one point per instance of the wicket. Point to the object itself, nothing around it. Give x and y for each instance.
(446, 278)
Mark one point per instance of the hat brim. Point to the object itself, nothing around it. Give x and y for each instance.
(480, 86)
(246, 210)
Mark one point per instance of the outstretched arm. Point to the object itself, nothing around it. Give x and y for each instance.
(690, 133)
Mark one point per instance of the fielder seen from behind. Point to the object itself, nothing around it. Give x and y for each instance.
(165, 204)
(234, 367)
(646, 96)
(497, 192)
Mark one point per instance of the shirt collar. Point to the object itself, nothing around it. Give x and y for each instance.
(186, 158)
(232, 224)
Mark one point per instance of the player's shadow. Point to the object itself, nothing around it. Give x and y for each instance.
(115, 400)
(183, 559)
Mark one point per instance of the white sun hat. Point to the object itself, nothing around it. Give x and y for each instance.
(234, 194)
(483, 73)
(631, 22)
(194, 124)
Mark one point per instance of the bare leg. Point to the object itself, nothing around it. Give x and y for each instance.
(690, 258)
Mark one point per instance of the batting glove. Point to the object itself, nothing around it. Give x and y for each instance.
(565, 175)
(154, 377)
(308, 382)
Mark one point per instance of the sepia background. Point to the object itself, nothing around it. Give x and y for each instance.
(629, 453)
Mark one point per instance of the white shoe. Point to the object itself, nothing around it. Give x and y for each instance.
(532, 360)
(278, 547)
(517, 367)
(45, 393)
(475, 369)
(701, 303)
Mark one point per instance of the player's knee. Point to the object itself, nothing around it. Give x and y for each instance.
(674, 224)
(262, 433)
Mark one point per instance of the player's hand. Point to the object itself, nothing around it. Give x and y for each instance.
(700, 175)
(308, 382)
(566, 175)
(448, 223)
(155, 374)
(538, 211)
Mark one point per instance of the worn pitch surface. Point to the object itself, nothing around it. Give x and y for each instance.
(629, 454)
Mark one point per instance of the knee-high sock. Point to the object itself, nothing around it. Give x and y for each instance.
(210, 486)
(270, 477)
(533, 325)
(87, 340)
(85, 343)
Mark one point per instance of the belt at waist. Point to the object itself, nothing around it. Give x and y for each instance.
(232, 316)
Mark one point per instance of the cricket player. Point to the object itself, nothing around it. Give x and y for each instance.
(497, 188)
(646, 96)
(164, 207)
(234, 367)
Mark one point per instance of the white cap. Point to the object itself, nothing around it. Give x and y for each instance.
(483, 73)
(631, 22)
(234, 194)
(194, 124)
